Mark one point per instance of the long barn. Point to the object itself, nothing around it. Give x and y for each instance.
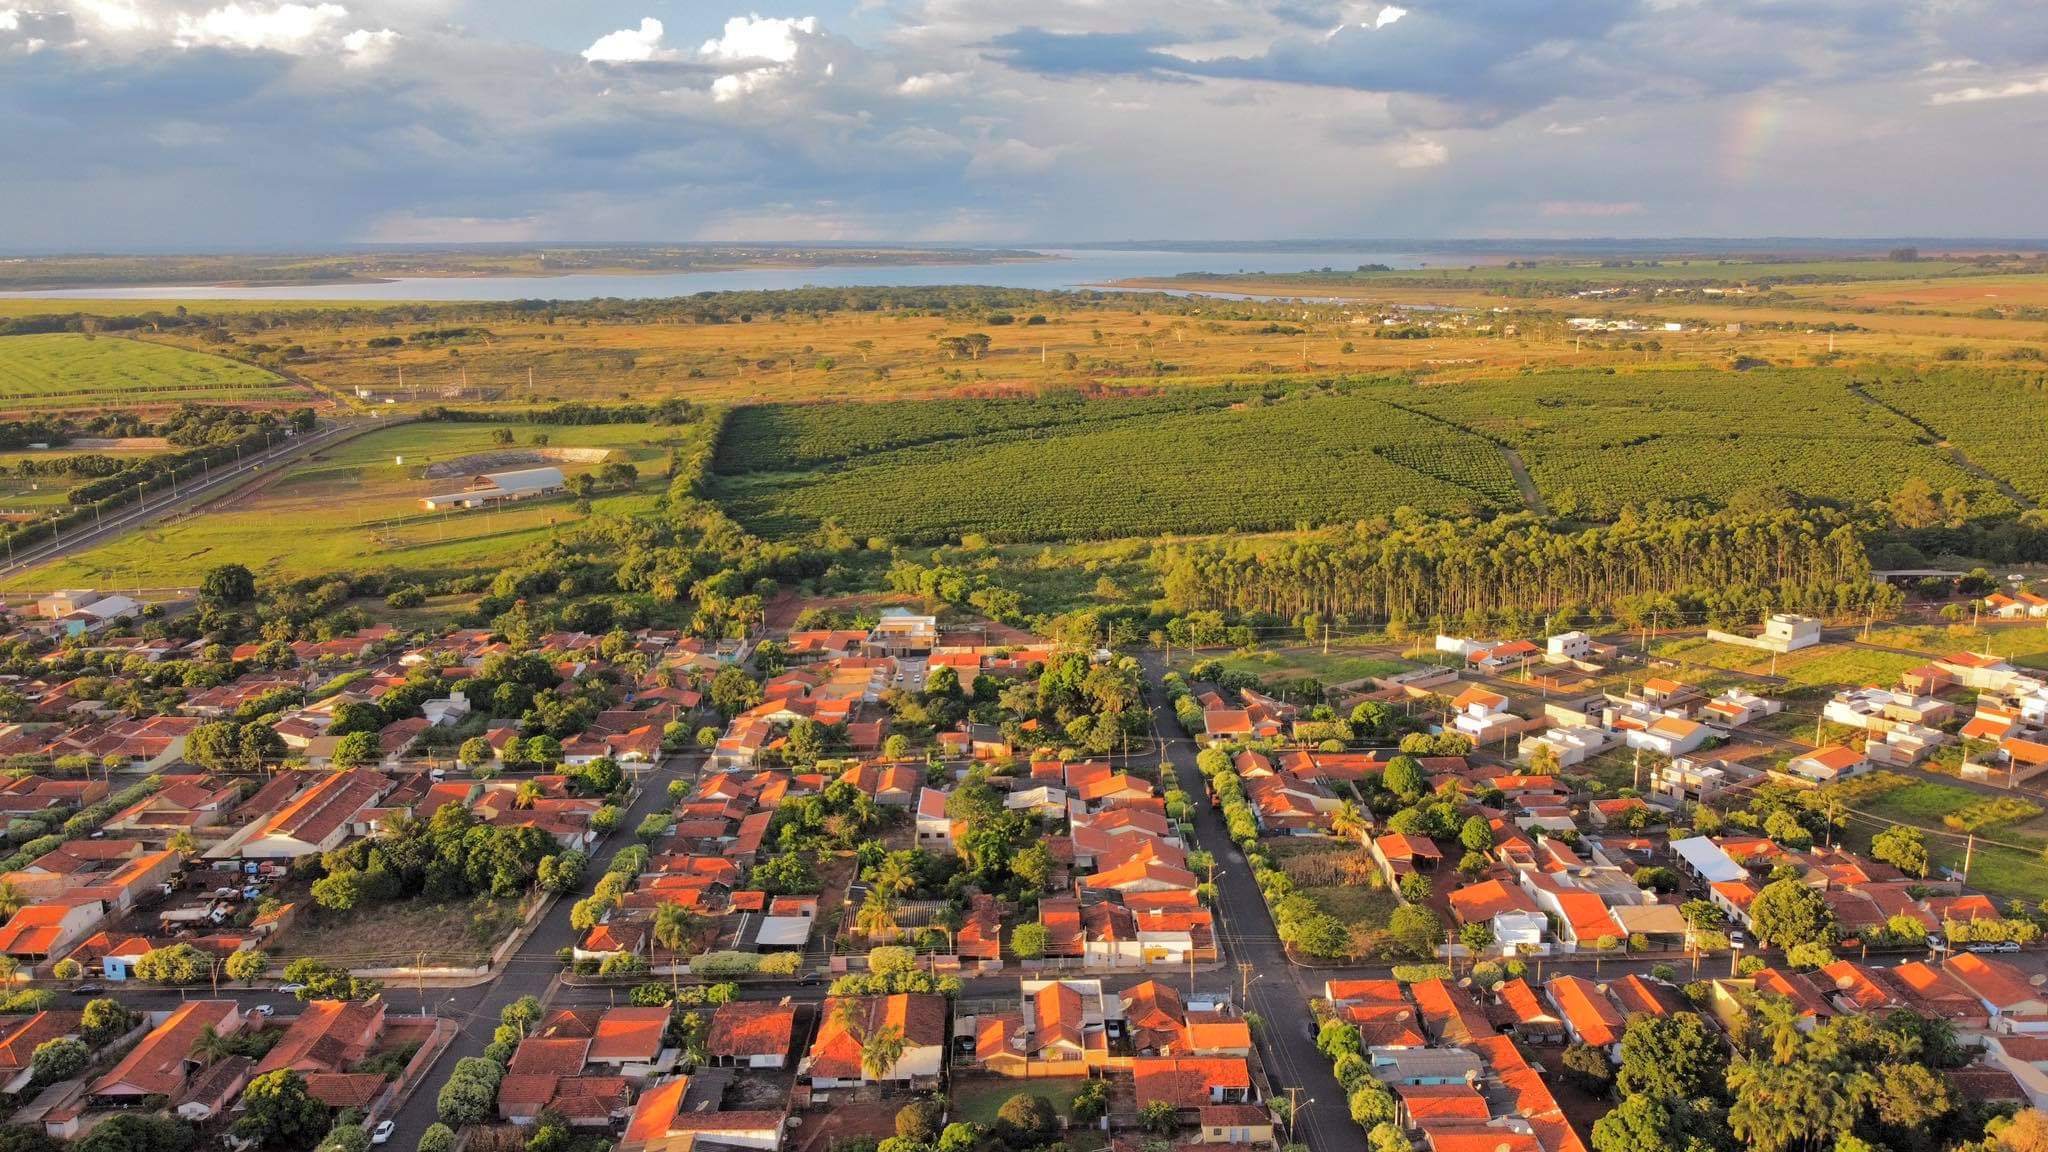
(498, 487)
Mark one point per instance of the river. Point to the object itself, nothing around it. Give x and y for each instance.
(1071, 268)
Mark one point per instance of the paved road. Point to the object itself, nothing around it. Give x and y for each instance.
(1280, 992)
(528, 971)
(159, 505)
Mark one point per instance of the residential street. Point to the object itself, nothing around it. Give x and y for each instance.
(1280, 992)
(527, 972)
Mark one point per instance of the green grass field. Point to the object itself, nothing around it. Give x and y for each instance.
(1339, 667)
(354, 507)
(70, 370)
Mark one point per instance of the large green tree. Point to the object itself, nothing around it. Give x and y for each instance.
(1790, 912)
(279, 1112)
(1675, 1057)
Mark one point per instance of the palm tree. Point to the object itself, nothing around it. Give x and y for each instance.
(1778, 1024)
(11, 899)
(897, 876)
(877, 915)
(880, 1050)
(673, 926)
(1347, 821)
(210, 1045)
(526, 794)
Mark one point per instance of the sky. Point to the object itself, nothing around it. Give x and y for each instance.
(127, 124)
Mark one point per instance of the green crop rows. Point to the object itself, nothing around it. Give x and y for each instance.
(1998, 420)
(1267, 465)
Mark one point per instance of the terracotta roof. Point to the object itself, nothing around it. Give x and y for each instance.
(1999, 984)
(157, 1066)
(629, 1034)
(1185, 1082)
(1487, 899)
(751, 1028)
(541, 1056)
(1059, 1015)
(835, 1054)
(1588, 1011)
(1427, 1102)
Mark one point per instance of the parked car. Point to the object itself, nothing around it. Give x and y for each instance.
(1982, 946)
(264, 1010)
(383, 1131)
(88, 990)
(1736, 939)
(291, 989)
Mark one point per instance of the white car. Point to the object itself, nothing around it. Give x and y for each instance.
(383, 1131)
(264, 1010)
(291, 989)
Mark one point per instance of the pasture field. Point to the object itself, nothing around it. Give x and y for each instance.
(355, 508)
(2024, 643)
(60, 371)
(1266, 465)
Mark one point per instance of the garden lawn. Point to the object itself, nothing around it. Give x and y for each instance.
(979, 1098)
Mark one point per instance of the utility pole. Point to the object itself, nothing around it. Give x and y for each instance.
(1969, 850)
(1244, 976)
(419, 974)
(1292, 1110)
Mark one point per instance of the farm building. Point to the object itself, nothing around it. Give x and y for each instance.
(498, 487)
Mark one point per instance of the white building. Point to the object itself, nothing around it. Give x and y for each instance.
(1570, 646)
(1572, 744)
(499, 487)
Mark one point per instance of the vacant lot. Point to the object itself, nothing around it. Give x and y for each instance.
(356, 507)
(59, 371)
(453, 934)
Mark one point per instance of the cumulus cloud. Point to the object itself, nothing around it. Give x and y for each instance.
(629, 45)
(756, 38)
(930, 83)
(1976, 95)
(365, 46)
(289, 28)
(516, 118)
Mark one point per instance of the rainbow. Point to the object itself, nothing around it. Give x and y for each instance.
(1751, 133)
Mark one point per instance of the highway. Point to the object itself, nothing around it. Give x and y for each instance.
(187, 496)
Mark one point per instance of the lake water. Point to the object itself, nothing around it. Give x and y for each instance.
(1079, 268)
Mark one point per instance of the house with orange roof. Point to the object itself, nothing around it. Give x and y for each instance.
(1424, 1104)
(1060, 1029)
(1931, 991)
(667, 1118)
(39, 932)
(1978, 670)
(1399, 855)
(1526, 1015)
(316, 820)
(844, 1023)
(751, 1034)
(628, 1040)
(1191, 1084)
(115, 871)
(1517, 924)
(21, 1036)
(1829, 764)
(934, 828)
(1061, 916)
(1589, 1017)
(162, 1063)
(2012, 1001)
(1512, 1134)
